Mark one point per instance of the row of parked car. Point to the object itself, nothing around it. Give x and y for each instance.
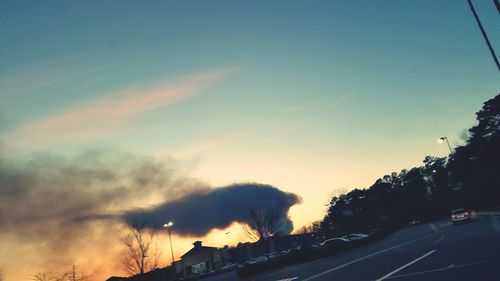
(302, 254)
(328, 247)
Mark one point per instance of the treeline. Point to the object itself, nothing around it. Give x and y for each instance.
(469, 177)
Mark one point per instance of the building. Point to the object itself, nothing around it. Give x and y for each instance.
(116, 278)
(201, 260)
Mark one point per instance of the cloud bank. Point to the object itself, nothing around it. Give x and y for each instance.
(199, 212)
(56, 211)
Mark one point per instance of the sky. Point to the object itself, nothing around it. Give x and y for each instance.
(307, 96)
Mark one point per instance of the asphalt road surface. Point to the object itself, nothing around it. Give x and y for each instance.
(433, 251)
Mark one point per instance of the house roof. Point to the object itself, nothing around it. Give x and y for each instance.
(198, 249)
(115, 278)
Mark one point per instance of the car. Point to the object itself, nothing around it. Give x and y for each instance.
(413, 222)
(332, 244)
(354, 236)
(229, 266)
(332, 241)
(254, 261)
(257, 260)
(278, 255)
(460, 215)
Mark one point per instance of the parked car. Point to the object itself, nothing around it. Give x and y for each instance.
(229, 266)
(331, 241)
(278, 255)
(413, 222)
(334, 244)
(253, 261)
(354, 236)
(261, 259)
(460, 215)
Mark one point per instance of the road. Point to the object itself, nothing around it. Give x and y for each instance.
(433, 251)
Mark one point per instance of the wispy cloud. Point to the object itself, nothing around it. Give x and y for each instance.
(46, 73)
(108, 114)
(207, 145)
(313, 117)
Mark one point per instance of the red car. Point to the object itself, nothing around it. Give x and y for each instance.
(460, 215)
(414, 222)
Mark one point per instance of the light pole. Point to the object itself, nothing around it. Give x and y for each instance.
(442, 139)
(227, 238)
(168, 226)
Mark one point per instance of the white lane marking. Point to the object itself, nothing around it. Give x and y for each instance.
(405, 266)
(451, 266)
(365, 257)
(288, 279)
(495, 224)
(439, 239)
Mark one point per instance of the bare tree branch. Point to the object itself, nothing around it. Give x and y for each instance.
(49, 276)
(73, 275)
(262, 224)
(313, 227)
(140, 257)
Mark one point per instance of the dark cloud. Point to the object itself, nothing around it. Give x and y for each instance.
(58, 209)
(200, 212)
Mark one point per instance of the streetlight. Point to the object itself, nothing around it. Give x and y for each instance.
(168, 226)
(442, 139)
(227, 238)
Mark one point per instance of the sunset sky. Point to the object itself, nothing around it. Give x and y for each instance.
(307, 96)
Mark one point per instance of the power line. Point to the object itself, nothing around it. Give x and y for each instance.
(484, 32)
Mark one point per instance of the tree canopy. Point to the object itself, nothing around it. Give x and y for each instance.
(466, 178)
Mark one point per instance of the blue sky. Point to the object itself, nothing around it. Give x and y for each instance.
(344, 80)
(309, 96)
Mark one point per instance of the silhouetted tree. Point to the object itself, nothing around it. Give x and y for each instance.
(468, 178)
(262, 224)
(40, 276)
(313, 227)
(73, 275)
(474, 166)
(49, 276)
(141, 257)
